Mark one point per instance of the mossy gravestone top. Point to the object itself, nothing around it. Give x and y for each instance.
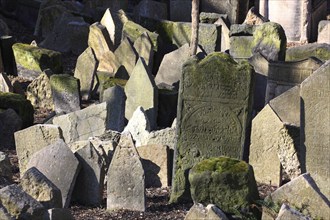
(213, 112)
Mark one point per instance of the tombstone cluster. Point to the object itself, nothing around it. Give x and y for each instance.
(138, 111)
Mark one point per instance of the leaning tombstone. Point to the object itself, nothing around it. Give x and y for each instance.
(144, 49)
(323, 32)
(214, 111)
(125, 187)
(315, 126)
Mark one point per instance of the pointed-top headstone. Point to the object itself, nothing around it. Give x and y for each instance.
(126, 188)
(126, 55)
(144, 48)
(141, 90)
(5, 85)
(99, 39)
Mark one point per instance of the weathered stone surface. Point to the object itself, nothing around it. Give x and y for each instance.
(215, 104)
(63, 214)
(39, 187)
(18, 103)
(114, 28)
(33, 139)
(36, 59)
(126, 55)
(282, 76)
(90, 180)
(236, 9)
(10, 122)
(315, 126)
(4, 213)
(271, 144)
(108, 63)
(139, 127)
(166, 136)
(5, 166)
(227, 182)
(88, 122)
(254, 18)
(66, 32)
(141, 90)
(151, 9)
(269, 39)
(39, 92)
(85, 71)
(5, 85)
(99, 39)
(105, 81)
(320, 51)
(144, 49)
(51, 161)
(133, 31)
(167, 106)
(155, 161)
(170, 69)
(241, 46)
(286, 212)
(65, 92)
(287, 106)
(125, 187)
(211, 212)
(323, 32)
(19, 204)
(298, 18)
(180, 10)
(303, 193)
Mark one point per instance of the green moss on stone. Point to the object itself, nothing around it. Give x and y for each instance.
(36, 58)
(320, 51)
(106, 81)
(64, 83)
(221, 164)
(18, 103)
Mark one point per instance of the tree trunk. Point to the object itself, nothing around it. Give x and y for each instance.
(194, 27)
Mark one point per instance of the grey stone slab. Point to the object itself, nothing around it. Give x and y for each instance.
(166, 136)
(19, 204)
(151, 9)
(282, 76)
(315, 126)
(33, 139)
(241, 47)
(10, 122)
(141, 90)
(214, 110)
(126, 55)
(65, 93)
(91, 121)
(286, 212)
(85, 71)
(126, 187)
(39, 187)
(52, 161)
(324, 32)
(89, 190)
(320, 51)
(144, 49)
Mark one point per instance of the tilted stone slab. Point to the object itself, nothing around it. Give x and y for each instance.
(86, 71)
(315, 126)
(286, 212)
(144, 49)
(37, 185)
(126, 187)
(303, 192)
(155, 161)
(282, 76)
(19, 204)
(108, 63)
(36, 59)
(214, 110)
(65, 93)
(52, 161)
(198, 211)
(99, 39)
(166, 136)
(273, 144)
(141, 90)
(126, 55)
(91, 121)
(90, 180)
(320, 51)
(39, 92)
(33, 139)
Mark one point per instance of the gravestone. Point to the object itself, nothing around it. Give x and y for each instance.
(241, 40)
(10, 122)
(52, 161)
(214, 111)
(126, 55)
(85, 71)
(108, 63)
(315, 126)
(324, 32)
(99, 39)
(285, 75)
(5, 85)
(125, 187)
(144, 49)
(141, 90)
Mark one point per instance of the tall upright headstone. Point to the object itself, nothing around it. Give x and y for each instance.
(315, 126)
(214, 110)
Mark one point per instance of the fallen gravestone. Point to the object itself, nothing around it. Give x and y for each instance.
(125, 187)
(214, 111)
(144, 49)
